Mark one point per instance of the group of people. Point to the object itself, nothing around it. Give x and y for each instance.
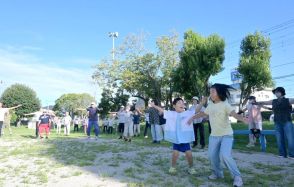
(180, 126)
(180, 131)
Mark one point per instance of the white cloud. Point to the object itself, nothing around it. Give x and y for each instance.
(48, 80)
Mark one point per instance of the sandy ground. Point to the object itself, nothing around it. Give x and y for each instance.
(130, 164)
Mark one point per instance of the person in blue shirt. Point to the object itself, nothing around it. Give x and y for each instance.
(179, 133)
(44, 124)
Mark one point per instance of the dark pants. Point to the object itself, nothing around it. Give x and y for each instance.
(76, 127)
(110, 130)
(209, 127)
(104, 129)
(199, 126)
(121, 127)
(1, 125)
(37, 130)
(96, 127)
(147, 125)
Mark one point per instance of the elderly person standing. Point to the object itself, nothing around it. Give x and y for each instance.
(92, 113)
(4, 112)
(156, 130)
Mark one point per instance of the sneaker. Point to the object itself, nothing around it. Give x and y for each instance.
(96, 138)
(46, 137)
(172, 170)
(89, 137)
(280, 156)
(154, 141)
(191, 171)
(146, 137)
(202, 146)
(194, 145)
(290, 157)
(238, 181)
(129, 140)
(120, 137)
(41, 137)
(250, 145)
(214, 177)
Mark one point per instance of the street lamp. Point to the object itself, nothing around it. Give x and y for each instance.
(113, 35)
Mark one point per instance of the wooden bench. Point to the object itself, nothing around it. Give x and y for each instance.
(261, 137)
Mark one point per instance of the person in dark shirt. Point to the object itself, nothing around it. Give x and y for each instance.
(136, 120)
(282, 108)
(44, 124)
(92, 112)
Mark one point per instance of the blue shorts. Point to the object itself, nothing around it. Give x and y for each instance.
(183, 147)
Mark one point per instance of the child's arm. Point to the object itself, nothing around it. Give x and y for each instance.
(196, 116)
(239, 117)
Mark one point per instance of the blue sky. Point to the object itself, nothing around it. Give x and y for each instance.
(52, 45)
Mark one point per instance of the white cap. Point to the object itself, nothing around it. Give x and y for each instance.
(195, 98)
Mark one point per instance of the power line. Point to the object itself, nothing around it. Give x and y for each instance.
(284, 76)
(282, 65)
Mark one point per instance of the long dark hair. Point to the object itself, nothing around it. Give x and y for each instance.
(222, 90)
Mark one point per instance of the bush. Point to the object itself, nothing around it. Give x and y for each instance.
(266, 115)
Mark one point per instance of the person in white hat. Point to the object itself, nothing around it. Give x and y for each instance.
(197, 124)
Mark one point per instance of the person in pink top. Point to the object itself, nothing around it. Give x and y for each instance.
(254, 119)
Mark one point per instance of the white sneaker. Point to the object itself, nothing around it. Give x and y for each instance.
(250, 145)
(214, 177)
(146, 137)
(238, 181)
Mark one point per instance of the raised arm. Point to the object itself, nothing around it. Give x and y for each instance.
(157, 107)
(200, 105)
(14, 107)
(239, 117)
(196, 116)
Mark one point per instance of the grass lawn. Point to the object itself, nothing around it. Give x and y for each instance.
(75, 161)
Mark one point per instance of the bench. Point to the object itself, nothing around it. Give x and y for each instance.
(261, 137)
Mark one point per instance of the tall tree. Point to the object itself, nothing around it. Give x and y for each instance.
(200, 58)
(20, 94)
(72, 102)
(254, 65)
(139, 72)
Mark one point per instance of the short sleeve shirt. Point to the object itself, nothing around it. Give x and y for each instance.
(176, 129)
(44, 119)
(219, 118)
(93, 113)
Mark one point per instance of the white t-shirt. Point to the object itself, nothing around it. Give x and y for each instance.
(2, 113)
(67, 120)
(121, 117)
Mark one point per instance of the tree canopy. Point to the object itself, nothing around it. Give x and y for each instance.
(254, 65)
(20, 94)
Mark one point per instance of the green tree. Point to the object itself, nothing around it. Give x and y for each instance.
(254, 65)
(72, 102)
(140, 73)
(200, 58)
(110, 101)
(20, 94)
